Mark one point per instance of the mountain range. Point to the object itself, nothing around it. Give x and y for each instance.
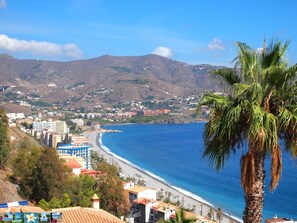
(103, 81)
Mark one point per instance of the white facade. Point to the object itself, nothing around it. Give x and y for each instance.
(61, 127)
(58, 126)
(148, 207)
(128, 185)
(78, 121)
(138, 191)
(44, 125)
(76, 171)
(14, 116)
(148, 193)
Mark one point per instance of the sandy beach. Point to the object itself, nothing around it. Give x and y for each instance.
(187, 199)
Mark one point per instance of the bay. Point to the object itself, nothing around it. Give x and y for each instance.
(174, 153)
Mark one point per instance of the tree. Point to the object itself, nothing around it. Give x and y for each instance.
(49, 176)
(112, 195)
(256, 113)
(108, 168)
(64, 202)
(219, 215)
(28, 153)
(4, 141)
(80, 190)
(179, 217)
(210, 213)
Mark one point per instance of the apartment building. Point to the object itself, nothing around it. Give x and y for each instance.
(76, 150)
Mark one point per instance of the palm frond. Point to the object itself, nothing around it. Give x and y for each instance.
(222, 134)
(212, 100)
(247, 61)
(274, 54)
(288, 118)
(227, 75)
(247, 164)
(276, 167)
(288, 128)
(263, 128)
(217, 152)
(252, 92)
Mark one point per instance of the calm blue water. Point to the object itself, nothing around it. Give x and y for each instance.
(174, 152)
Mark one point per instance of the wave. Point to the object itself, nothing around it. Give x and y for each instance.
(183, 191)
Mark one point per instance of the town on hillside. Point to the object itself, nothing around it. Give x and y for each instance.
(145, 204)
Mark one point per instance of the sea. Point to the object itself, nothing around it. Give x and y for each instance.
(173, 152)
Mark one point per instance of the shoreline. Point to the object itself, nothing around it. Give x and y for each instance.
(128, 169)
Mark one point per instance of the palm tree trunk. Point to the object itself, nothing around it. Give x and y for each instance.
(254, 198)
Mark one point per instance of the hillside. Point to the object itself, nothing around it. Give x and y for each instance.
(102, 82)
(8, 190)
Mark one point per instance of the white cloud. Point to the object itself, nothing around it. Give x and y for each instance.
(2, 4)
(42, 48)
(216, 44)
(163, 51)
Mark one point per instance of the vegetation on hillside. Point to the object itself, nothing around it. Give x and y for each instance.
(4, 141)
(44, 179)
(112, 194)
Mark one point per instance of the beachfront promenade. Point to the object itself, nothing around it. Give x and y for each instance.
(186, 199)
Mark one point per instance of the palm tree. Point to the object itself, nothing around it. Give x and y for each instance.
(210, 213)
(256, 113)
(179, 218)
(219, 215)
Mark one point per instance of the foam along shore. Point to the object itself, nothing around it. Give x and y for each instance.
(128, 169)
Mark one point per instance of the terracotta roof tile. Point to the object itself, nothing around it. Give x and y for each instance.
(86, 215)
(32, 209)
(137, 189)
(73, 163)
(143, 201)
(92, 172)
(273, 220)
(22, 209)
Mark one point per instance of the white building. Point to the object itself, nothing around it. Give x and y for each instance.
(138, 191)
(78, 121)
(276, 219)
(61, 127)
(78, 151)
(57, 126)
(128, 185)
(15, 116)
(51, 126)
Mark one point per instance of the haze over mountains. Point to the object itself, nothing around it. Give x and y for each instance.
(105, 80)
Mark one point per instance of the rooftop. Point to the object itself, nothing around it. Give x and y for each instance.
(23, 209)
(277, 219)
(164, 207)
(143, 201)
(72, 163)
(137, 189)
(86, 215)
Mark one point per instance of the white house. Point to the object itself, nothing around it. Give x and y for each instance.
(138, 191)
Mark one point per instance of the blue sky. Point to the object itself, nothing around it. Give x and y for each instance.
(191, 31)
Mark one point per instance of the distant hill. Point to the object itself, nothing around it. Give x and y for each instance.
(103, 81)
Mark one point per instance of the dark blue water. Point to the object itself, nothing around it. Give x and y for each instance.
(174, 152)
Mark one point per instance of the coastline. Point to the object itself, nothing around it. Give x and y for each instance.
(188, 199)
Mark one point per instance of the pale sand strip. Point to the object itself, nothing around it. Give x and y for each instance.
(187, 199)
